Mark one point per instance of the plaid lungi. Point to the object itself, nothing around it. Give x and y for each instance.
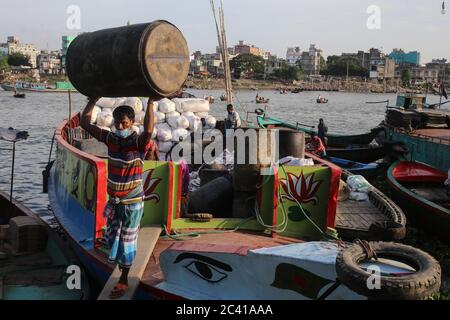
(122, 231)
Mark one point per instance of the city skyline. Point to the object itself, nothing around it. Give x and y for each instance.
(334, 29)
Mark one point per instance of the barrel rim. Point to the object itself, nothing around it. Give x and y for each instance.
(142, 46)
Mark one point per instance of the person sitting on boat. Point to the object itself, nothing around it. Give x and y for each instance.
(126, 151)
(233, 121)
(317, 145)
(322, 131)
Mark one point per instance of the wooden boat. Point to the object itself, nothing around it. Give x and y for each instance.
(34, 261)
(217, 261)
(367, 170)
(378, 218)
(262, 101)
(334, 140)
(210, 99)
(214, 257)
(59, 87)
(419, 189)
(19, 95)
(364, 154)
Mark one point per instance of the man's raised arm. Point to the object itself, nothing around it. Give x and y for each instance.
(86, 116)
(149, 125)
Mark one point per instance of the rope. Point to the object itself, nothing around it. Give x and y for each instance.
(192, 235)
(367, 248)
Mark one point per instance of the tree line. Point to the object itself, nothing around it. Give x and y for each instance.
(15, 59)
(253, 67)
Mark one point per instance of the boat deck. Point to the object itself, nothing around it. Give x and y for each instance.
(216, 242)
(432, 192)
(357, 215)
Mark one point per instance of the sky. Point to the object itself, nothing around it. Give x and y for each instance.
(335, 26)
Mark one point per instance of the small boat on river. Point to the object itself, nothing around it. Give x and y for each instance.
(420, 190)
(334, 140)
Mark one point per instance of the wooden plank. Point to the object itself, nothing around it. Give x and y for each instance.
(148, 236)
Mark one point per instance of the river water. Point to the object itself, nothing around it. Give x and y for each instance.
(40, 114)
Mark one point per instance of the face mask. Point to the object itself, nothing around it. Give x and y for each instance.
(230, 112)
(123, 133)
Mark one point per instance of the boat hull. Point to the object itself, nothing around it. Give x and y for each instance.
(367, 170)
(425, 214)
(430, 150)
(334, 140)
(365, 155)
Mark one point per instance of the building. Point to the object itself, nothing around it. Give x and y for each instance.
(405, 58)
(66, 41)
(424, 74)
(272, 64)
(13, 45)
(49, 62)
(442, 66)
(383, 71)
(310, 61)
(362, 57)
(293, 55)
(243, 48)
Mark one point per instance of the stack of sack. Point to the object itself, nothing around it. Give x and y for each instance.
(175, 119)
(359, 188)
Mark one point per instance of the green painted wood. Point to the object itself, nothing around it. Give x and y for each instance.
(420, 149)
(334, 140)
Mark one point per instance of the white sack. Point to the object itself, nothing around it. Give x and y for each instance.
(164, 147)
(107, 103)
(94, 115)
(171, 119)
(191, 105)
(166, 106)
(164, 132)
(179, 134)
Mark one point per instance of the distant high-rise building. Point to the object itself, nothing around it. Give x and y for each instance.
(401, 58)
(13, 45)
(293, 55)
(66, 41)
(310, 60)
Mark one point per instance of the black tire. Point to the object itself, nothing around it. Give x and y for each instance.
(422, 284)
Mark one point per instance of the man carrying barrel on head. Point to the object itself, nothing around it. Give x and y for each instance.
(126, 154)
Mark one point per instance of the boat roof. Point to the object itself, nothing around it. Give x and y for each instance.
(416, 171)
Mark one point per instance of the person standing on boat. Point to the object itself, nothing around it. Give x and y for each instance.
(233, 121)
(124, 210)
(318, 146)
(322, 131)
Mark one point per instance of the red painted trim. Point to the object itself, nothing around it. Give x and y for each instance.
(97, 163)
(275, 199)
(170, 198)
(334, 189)
(180, 186)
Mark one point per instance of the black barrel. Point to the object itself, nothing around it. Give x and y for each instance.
(149, 59)
(291, 143)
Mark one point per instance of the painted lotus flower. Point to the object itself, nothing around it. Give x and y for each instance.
(150, 186)
(302, 189)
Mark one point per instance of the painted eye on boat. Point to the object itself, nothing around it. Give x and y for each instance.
(206, 271)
